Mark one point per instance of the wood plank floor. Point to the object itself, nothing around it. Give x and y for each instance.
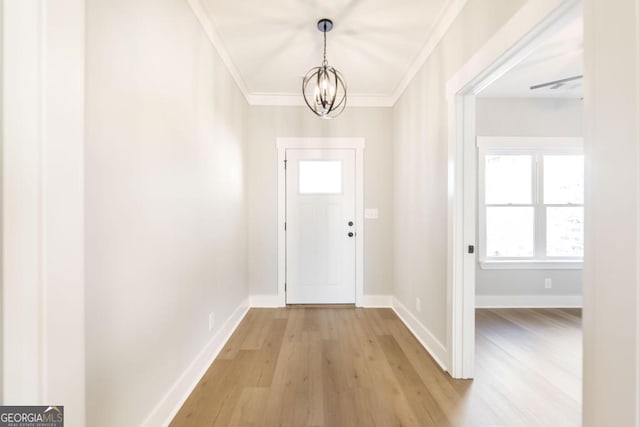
(362, 367)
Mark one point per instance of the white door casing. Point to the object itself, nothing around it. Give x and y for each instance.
(357, 145)
(320, 231)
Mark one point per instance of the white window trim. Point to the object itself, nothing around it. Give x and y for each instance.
(536, 147)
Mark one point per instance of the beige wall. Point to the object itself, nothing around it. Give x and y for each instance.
(559, 117)
(166, 203)
(268, 123)
(611, 313)
(420, 158)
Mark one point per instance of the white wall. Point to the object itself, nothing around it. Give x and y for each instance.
(166, 201)
(528, 117)
(420, 171)
(612, 258)
(268, 123)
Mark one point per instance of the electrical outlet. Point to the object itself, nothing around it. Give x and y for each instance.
(418, 305)
(547, 283)
(212, 321)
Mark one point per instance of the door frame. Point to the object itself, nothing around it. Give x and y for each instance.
(42, 159)
(510, 45)
(356, 144)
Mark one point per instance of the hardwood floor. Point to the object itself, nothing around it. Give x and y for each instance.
(362, 367)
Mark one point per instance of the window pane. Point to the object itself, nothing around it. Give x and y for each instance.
(565, 231)
(564, 179)
(507, 180)
(320, 176)
(509, 231)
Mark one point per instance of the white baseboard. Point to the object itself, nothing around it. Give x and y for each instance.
(528, 301)
(170, 404)
(265, 301)
(433, 346)
(377, 301)
(269, 301)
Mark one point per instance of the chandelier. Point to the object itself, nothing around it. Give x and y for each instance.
(323, 87)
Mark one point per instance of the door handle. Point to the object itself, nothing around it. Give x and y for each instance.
(350, 223)
(351, 234)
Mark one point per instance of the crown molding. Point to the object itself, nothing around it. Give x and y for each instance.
(295, 100)
(210, 30)
(446, 17)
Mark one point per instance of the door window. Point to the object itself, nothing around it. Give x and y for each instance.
(320, 177)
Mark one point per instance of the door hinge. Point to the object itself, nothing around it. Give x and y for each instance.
(285, 286)
(285, 164)
(285, 226)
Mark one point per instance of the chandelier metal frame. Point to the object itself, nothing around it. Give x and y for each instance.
(329, 93)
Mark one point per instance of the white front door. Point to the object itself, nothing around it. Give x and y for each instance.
(320, 226)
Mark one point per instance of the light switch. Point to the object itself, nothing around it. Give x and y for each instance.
(371, 213)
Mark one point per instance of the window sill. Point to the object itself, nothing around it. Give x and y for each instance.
(531, 265)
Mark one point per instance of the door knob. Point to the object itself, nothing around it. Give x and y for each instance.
(350, 223)
(350, 234)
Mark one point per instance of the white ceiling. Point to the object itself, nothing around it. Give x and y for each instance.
(558, 56)
(272, 44)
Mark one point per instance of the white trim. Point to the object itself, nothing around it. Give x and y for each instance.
(22, 216)
(528, 301)
(445, 19)
(358, 144)
(508, 46)
(469, 235)
(377, 301)
(199, 10)
(164, 412)
(530, 265)
(43, 136)
(525, 147)
(535, 143)
(295, 100)
(320, 143)
(516, 40)
(265, 301)
(637, 390)
(430, 343)
(272, 301)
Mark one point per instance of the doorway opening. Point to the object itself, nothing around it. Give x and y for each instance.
(530, 227)
(527, 31)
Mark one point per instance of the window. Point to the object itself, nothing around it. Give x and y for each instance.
(320, 177)
(531, 206)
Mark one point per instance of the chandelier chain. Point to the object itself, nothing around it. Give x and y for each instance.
(324, 61)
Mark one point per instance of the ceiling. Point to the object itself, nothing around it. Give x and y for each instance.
(374, 43)
(558, 56)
